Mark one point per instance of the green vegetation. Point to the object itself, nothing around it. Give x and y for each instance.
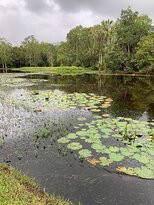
(138, 147)
(63, 70)
(129, 30)
(17, 189)
(144, 56)
(125, 45)
(49, 100)
(5, 53)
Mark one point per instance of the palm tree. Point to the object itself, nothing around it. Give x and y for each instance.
(102, 35)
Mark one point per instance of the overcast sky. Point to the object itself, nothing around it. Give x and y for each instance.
(50, 20)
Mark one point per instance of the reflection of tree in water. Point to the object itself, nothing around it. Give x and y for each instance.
(132, 96)
(151, 111)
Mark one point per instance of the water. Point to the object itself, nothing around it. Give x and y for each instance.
(59, 172)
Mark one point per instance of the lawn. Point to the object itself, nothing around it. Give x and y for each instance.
(17, 189)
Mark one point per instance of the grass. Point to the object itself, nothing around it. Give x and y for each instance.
(63, 70)
(17, 189)
(74, 70)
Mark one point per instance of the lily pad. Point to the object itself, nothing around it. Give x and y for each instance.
(71, 136)
(104, 161)
(114, 149)
(82, 133)
(81, 119)
(85, 153)
(74, 146)
(116, 157)
(63, 140)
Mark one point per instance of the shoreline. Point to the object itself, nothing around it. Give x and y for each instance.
(70, 70)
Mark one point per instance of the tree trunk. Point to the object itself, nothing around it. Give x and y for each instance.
(3, 68)
(100, 61)
(6, 67)
(30, 62)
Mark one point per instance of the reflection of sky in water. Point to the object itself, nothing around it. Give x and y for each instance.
(144, 117)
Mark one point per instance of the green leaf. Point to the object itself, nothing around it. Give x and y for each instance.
(85, 153)
(74, 146)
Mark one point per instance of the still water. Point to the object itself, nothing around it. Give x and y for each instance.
(62, 173)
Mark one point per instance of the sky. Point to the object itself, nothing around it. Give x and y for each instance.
(50, 20)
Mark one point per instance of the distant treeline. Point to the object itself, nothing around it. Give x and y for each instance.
(124, 45)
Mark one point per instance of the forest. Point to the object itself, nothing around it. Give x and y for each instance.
(124, 45)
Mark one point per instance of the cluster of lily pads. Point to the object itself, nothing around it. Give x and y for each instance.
(10, 80)
(49, 100)
(119, 142)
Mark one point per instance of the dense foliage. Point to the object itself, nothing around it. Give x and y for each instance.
(124, 45)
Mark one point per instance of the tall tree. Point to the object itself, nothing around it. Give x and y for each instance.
(48, 54)
(63, 57)
(5, 53)
(74, 39)
(144, 56)
(102, 36)
(18, 57)
(130, 28)
(31, 50)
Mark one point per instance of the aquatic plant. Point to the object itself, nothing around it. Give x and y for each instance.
(74, 146)
(100, 132)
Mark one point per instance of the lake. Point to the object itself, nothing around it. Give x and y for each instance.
(36, 113)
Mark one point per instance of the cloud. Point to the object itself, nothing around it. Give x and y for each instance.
(50, 20)
(106, 7)
(100, 7)
(40, 6)
(36, 5)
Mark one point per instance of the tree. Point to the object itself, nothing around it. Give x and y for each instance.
(130, 28)
(31, 50)
(63, 51)
(18, 57)
(102, 35)
(74, 41)
(48, 54)
(144, 56)
(5, 53)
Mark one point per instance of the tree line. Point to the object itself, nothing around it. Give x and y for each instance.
(124, 45)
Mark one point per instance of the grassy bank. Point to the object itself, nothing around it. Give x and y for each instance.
(63, 70)
(17, 189)
(74, 70)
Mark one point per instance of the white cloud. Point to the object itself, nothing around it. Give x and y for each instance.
(50, 20)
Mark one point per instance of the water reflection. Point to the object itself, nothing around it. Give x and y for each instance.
(132, 96)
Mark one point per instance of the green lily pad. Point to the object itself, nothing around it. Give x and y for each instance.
(71, 136)
(97, 147)
(82, 133)
(74, 146)
(116, 157)
(63, 140)
(150, 151)
(141, 158)
(93, 140)
(127, 151)
(85, 153)
(104, 161)
(81, 119)
(114, 149)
